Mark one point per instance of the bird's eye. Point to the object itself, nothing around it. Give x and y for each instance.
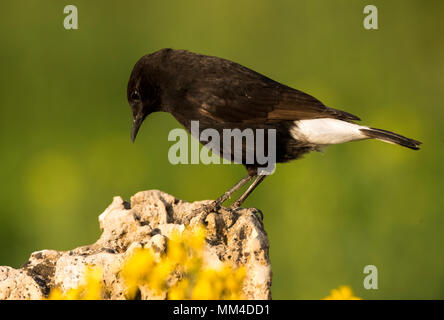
(135, 96)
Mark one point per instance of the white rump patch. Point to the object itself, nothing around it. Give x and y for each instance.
(326, 131)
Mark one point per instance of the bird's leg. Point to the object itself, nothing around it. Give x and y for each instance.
(217, 203)
(236, 187)
(250, 189)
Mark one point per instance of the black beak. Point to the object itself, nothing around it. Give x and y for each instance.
(136, 125)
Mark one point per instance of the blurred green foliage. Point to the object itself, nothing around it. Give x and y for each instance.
(65, 121)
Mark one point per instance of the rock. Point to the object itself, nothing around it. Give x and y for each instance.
(234, 236)
(17, 285)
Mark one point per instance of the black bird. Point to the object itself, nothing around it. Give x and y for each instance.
(222, 94)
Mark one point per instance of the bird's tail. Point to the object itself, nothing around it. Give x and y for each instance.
(391, 137)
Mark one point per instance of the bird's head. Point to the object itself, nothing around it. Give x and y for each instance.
(142, 93)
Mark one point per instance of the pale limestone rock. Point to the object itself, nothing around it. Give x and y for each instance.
(17, 285)
(234, 236)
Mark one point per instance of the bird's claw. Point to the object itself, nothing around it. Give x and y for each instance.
(236, 206)
(208, 208)
(260, 214)
(211, 207)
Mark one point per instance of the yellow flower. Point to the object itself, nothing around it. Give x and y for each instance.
(180, 290)
(93, 284)
(342, 293)
(137, 269)
(159, 276)
(56, 294)
(176, 250)
(89, 289)
(205, 289)
(234, 281)
(184, 258)
(224, 283)
(195, 238)
(183, 261)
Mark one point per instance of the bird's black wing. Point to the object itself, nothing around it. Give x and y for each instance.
(246, 96)
(297, 105)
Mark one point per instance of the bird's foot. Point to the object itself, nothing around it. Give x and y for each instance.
(237, 206)
(213, 206)
(207, 208)
(260, 214)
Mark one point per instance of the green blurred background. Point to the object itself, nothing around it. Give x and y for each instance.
(65, 121)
